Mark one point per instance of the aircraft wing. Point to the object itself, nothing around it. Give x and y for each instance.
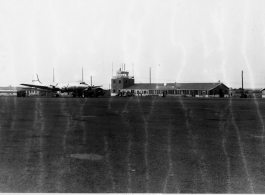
(92, 87)
(37, 89)
(95, 87)
(38, 86)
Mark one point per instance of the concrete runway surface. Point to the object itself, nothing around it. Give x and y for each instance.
(132, 145)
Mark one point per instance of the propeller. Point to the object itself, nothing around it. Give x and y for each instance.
(65, 87)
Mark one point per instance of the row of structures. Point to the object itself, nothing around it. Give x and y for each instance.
(123, 84)
(21, 91)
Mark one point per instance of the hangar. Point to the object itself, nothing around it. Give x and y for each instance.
(122, 84)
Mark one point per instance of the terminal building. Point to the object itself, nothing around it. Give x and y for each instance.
(122, 84)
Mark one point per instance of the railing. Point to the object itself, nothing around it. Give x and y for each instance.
(122, 76)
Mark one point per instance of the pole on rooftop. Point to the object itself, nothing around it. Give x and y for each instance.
(150, 75)
(242, 84)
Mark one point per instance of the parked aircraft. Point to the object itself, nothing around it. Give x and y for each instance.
(78, 89)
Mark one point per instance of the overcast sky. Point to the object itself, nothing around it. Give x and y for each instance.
(182, 41)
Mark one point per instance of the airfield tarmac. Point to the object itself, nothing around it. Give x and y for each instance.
(132, 145)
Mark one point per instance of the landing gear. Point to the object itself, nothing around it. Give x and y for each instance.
(55, 95)
(78, 94)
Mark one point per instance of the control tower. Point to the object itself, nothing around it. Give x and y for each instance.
(121, 81)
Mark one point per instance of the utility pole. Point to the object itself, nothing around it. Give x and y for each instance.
(150, 75)
(242, 84)
(91, 80)
(133, 70)
(243, 95)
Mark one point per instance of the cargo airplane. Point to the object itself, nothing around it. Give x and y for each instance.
(78, 89)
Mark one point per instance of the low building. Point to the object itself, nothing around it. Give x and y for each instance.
(8, 91)
(179, 89)
(123, 84)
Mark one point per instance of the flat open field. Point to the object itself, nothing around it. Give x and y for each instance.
(129, 145)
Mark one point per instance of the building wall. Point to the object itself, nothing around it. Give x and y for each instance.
(8, 94)
(219, 91)
(263, 94)
(120, 83)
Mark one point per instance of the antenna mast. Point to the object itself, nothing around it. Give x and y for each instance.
(133, 70)
(150, 75)
(242, 84)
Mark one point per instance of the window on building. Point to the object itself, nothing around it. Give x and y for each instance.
(113, 90)
(170, 91)
(151, 91)
(119, 81)
(126, 81)
(113, 81)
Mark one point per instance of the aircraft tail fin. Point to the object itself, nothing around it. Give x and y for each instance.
(37, 79)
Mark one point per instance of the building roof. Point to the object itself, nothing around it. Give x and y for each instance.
(149, 86)
(198, 86)
(9, 88)
(176, 86)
